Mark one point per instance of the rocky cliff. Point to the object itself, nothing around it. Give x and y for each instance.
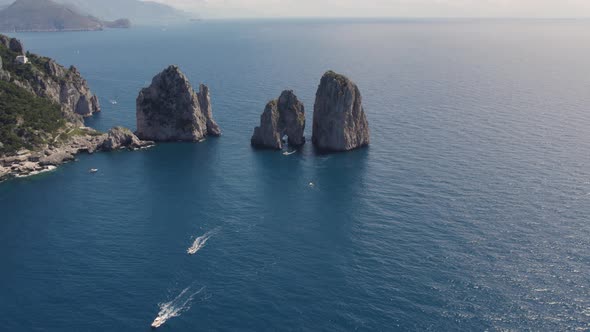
(170, 110)
(282, 116)
(47, 79)
(41, 126)
(339, 121)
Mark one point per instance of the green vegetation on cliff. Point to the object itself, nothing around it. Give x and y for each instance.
(26, 120)
(37, 66)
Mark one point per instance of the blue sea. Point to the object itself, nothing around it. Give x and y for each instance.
(469, 210)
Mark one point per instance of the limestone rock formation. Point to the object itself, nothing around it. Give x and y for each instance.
(86, 140)
(16, 46)
(282, 116)
(119, 138)
(31, 147)
(12, 44)
(64, 86)
(205, 104)
(170, 110)
(47, 79)
(5, 41)
(339, 121)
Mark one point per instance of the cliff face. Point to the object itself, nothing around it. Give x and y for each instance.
(12, 44)
(282, 116)
(63, 86)
(41, 108)
(170, 110)
(47, 79)
(339, 121)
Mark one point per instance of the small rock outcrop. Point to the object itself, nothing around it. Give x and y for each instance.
(12, 44)
(122, 138)
(16, 46)
(282, 116)
(170, 110)
(339, 120)
(5, 41)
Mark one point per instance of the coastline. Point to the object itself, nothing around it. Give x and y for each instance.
(50, 30)
(26, 163)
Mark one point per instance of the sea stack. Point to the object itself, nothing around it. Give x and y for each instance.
(339, 121)
(170, 110)
(282, 116)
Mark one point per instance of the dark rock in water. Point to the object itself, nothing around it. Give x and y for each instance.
(170, 110)
(283, 116)
(339, 121)
(205, 104)
(119, 138)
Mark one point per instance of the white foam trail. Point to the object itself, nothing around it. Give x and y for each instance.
(286, 153)
(175, 307)
(200, 242)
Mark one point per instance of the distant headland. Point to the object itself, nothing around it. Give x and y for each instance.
(84, 15)
(49, 16)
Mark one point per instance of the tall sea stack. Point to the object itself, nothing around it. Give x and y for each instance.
(170, 110)
(339, 121)
(283, 116)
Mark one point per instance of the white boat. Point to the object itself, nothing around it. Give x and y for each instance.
(93, 170)
(287, 153)
(112, 101)
(158, 322)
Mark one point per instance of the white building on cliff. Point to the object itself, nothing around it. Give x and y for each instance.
(22, 59)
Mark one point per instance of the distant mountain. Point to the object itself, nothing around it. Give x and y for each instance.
(46, 15)
(139, 12)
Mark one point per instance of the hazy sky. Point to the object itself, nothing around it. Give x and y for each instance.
(385, 8)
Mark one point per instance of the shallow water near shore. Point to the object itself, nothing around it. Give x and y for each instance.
(469, 211)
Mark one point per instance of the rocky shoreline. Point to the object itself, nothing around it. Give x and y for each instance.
(51, 141)
(168, 110)
(86, 140)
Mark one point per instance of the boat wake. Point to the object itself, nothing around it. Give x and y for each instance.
(287, 153)
(200, 242)
(175, 307)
